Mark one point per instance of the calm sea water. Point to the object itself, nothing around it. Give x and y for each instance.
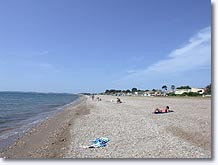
(19, 111)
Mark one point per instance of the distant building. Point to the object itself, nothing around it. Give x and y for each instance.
(198, 90)
(181, 91)
(128, 94)
(148, 93)
(136, 93)
(158, 93)
(195, 90)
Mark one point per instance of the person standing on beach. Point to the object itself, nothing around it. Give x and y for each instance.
(93, 97)
(118, 100)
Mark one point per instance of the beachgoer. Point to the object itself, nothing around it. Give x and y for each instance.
(164, 110)
(118, 100)
(93, 97)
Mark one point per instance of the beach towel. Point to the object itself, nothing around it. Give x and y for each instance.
(98, 142)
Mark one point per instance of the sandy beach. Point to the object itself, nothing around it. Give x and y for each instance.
(133, 131)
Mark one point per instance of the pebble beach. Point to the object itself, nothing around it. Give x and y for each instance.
(133, 130)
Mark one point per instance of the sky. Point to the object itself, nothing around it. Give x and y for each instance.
(79, 46)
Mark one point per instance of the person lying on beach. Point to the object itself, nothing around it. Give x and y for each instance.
(118, 100)
(164, 110)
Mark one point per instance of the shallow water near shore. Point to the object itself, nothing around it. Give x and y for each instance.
(20, 111)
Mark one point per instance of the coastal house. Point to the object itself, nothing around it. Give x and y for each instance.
(152, 93)
(147, 93)
(197, 90)
(158, 93)
(135, 93)
(181, 91)
(194, 90)
(128, 94)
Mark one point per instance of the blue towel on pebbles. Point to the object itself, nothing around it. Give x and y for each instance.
(99, 142)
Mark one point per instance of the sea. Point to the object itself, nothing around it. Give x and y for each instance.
(20, 111)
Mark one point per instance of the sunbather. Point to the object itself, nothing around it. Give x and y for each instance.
(164, 110)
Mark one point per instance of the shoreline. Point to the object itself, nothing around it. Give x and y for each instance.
(49, 138)
(10, 137)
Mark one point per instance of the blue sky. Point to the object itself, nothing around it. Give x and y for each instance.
(94, 45)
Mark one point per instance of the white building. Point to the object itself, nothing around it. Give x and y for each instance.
(198, 90)
(147, 94)
(181, 91)
(136, 93)
(195, 90)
